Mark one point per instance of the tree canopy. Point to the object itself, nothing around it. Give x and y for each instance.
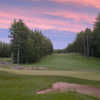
(28, 46)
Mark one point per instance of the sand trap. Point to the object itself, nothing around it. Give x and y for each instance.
(63, 86)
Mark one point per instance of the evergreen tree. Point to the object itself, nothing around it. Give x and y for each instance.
(28, 46)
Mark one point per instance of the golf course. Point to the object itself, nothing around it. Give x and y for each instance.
(50, 50)
(18, 84)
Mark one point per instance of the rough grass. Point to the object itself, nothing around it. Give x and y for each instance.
(18, 87)
(56, 96)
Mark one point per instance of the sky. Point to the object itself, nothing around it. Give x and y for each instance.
(59, 20)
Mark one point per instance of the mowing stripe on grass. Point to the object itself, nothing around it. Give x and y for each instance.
(76, 74)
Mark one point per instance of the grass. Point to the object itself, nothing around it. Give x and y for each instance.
(18, 87)
(72, 68)
(5, 60)
(76, 74)
(69, 62)
(56, 96)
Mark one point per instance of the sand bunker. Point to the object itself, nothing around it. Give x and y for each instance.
(63, 87)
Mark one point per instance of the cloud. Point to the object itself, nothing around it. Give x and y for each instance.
(40, 22)
(64, 17)
(86, 3)
(37, 18)
(72, 15)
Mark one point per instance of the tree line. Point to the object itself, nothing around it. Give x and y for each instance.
(87, 42)
(5, 49)
(27, 46)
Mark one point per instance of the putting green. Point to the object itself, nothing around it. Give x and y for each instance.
(76, 74)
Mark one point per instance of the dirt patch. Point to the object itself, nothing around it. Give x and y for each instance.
(4, 63)
(63, 86)
(29, 68)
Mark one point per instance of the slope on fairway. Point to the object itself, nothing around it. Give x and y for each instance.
(70, 62)
(76, 74)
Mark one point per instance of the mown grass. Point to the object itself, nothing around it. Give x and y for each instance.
(75, 74)
(23, 85)
(69, 62)
(5, 59)
(18, 87)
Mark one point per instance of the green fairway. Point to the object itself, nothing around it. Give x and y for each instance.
(76, 74)
(71, 65)
(18, 87)
(70, 62)
(71, 68)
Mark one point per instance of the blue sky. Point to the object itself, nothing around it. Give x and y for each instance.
(60, 20)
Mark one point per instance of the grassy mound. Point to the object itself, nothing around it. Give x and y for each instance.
(18, 87)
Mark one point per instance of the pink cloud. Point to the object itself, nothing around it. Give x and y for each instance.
(94, 3)
(71, 15)
(6, 19)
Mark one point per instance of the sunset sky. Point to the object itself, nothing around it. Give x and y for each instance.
(60, 20)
